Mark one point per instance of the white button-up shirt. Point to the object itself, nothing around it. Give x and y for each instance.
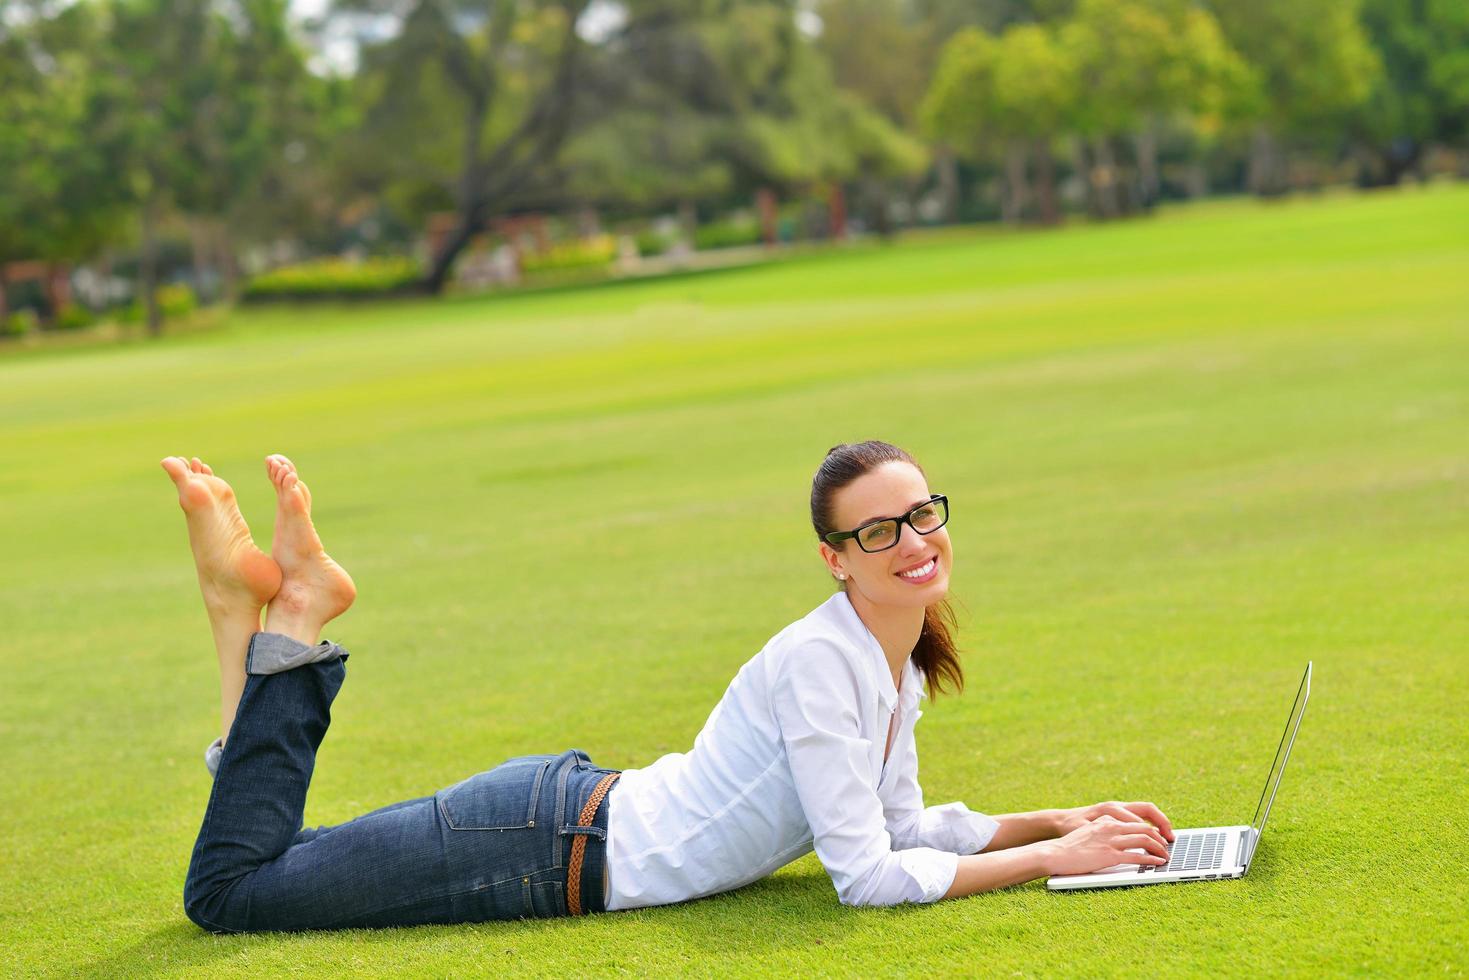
(790, 759)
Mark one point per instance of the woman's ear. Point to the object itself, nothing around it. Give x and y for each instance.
(833, 559)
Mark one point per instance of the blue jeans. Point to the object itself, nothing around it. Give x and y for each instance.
(495, 846)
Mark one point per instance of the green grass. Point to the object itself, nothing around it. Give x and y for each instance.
(1186, 455)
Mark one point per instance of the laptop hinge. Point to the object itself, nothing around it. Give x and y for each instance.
(1244, 847)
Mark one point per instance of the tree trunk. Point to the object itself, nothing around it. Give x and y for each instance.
(1050, 212)
(947, 168)
(1017, 189)
(1082, 162)
(58, 290)
(466, 226)
(688, 220)
(199, 255)
(768, 214)
(1267, 170)
(148, 268)
(1196, 179)
(836, 203)
(1150, 185)
(229, 267)
(1106, 178)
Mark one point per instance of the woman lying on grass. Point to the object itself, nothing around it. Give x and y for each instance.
(811, 746)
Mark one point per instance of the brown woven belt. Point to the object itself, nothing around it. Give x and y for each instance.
(579, 845)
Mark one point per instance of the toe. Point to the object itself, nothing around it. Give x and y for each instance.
(204, 467)
(196, 465)
(177, 469)
(295, 497)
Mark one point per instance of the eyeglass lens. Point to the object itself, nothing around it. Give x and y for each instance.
(884, 534)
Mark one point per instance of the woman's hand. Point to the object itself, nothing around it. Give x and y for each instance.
(1069, 820)
(1102, 843)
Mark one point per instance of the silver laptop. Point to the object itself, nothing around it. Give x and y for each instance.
(1211, 852)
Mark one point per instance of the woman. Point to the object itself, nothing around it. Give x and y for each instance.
(810, 747)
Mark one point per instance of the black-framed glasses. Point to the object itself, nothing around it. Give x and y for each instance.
(882, 534)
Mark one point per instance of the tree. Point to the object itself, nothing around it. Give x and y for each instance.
(1422, 94)
(878, 51)
(721, 106)
(1315, 64)
(1140, 62)
(477, 101)
(1007, 96)
(60, 199)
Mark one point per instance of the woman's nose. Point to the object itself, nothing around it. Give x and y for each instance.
(910, 542)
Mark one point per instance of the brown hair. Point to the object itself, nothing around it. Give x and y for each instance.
(935, 653)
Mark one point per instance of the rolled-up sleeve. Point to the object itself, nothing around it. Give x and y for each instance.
(816, 695)
(951, 827)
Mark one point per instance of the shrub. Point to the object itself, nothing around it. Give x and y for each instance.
(335, 278)
(651, 243)
(580, 254)
(73, 317)
(176, 300)
(726, 234)
(19, 323)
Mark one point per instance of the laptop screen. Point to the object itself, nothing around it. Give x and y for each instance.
(1282, 755)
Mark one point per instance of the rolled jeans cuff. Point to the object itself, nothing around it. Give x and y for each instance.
(274, 653)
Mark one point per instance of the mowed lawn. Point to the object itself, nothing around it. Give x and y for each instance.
(1186, 455)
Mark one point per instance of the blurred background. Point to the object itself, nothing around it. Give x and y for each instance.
(162, 157)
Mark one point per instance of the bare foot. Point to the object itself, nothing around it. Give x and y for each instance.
(314, 588)
(233, 573)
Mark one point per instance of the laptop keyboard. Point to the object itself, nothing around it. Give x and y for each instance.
(1192, 852)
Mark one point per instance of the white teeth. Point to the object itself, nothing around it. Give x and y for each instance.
(920, 571)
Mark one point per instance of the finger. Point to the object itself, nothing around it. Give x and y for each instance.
(1151, 813)
(1138, 857)
(1131, 819)
(1135, 827)
(1147, 842)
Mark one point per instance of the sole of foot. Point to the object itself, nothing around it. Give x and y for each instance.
(314, 588)
(234, 574)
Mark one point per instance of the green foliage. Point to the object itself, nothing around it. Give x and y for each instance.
(962, 98)
(19, 323)
(650, 243)
(175, 300)
(334, 278)
(725, 101)
(74, 317)
(1312, 59)
(878, 52)
(581, 253)
(726, 234)
(1137, 60)
(1422, 93)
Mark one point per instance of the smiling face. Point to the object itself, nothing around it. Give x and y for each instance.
(912, 573)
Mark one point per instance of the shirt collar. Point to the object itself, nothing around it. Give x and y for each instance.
(887, 693)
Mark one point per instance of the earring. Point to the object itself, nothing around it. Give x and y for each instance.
(841, 577)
